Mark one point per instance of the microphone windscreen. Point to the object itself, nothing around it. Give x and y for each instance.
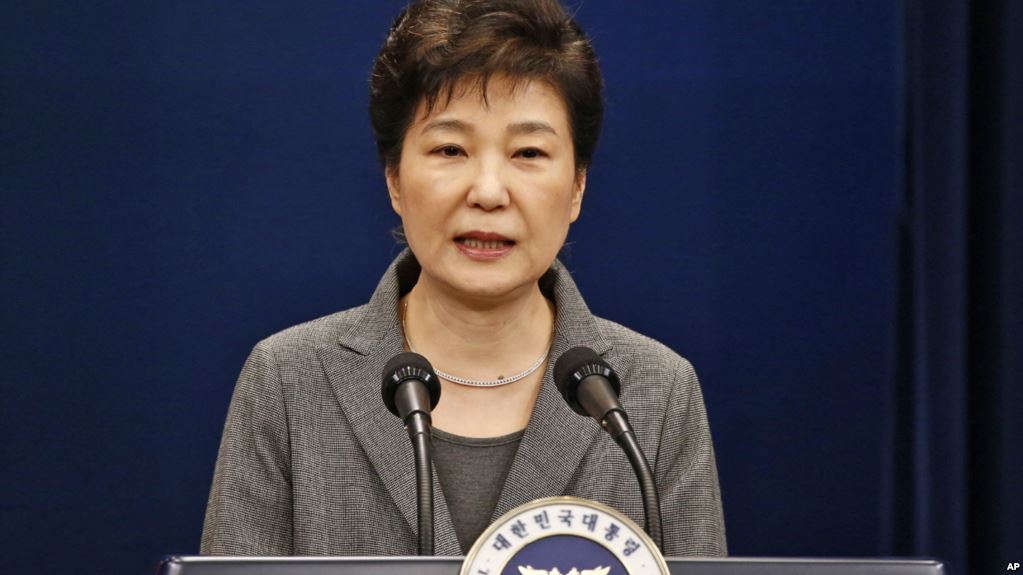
(403, 367)
(575, 365)
(570, 362)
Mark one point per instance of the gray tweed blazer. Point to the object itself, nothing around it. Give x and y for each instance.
(312, 463)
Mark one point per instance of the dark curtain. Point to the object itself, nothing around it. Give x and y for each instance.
(954, 480)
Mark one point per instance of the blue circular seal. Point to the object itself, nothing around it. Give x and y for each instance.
(567, 554)
(564, 536)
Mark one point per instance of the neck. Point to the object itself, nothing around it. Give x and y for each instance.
(478, 339)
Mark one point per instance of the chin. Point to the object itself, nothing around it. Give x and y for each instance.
(488, 290)
(491, 284)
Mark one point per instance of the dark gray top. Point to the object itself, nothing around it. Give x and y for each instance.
(471, 471)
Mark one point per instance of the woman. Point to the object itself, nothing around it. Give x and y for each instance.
(486, 116)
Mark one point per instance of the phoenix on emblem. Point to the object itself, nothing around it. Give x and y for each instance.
(528, 570)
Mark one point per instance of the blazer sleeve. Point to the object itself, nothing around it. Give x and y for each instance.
(250, 508)
(687, 473)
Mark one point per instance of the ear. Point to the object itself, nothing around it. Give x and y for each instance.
(578, 189)
(391, 175)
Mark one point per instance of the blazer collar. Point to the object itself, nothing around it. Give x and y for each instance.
(555, 439)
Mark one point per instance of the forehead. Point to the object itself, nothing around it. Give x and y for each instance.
(500, 100)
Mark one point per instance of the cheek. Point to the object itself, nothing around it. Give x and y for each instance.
(425, 206)
(550, 221)
(413, 195)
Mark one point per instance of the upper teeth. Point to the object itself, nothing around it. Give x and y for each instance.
(483, 245)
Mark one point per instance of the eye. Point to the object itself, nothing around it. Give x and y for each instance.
(530, 153)
(449, 151)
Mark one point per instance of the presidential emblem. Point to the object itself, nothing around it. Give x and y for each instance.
(554, 571)
(564, 536)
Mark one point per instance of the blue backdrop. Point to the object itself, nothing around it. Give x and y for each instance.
(183, 179)
(955, 436)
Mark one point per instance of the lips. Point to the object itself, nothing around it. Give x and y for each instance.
(484, 245)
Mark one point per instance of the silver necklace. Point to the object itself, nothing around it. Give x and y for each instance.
(477, 382)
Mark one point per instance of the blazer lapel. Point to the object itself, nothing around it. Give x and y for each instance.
(556, 438)
(355, 370)
(551, 448)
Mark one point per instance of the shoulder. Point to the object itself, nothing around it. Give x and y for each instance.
(640, 353)
(291, 361)
(655, 379)
(313, 334)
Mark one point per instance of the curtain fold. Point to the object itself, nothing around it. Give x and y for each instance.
(954, 469)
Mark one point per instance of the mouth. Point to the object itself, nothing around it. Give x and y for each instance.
(484, 245)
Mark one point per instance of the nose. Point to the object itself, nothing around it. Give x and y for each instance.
(488, 189)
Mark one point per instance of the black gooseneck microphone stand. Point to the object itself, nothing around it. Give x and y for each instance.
(410, 391)
(591, 388)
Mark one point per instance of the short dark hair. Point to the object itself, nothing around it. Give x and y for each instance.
(435, 44)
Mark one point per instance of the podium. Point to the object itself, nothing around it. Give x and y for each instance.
(452, 565)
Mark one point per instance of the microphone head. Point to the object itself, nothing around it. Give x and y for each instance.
(573, 367)
(403, 367)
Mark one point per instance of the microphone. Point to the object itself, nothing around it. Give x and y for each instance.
(591, 387)
(420, 395)
(410, 391)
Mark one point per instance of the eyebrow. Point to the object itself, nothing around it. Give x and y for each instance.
(447, 126)
(518, 128)
(532, 128)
